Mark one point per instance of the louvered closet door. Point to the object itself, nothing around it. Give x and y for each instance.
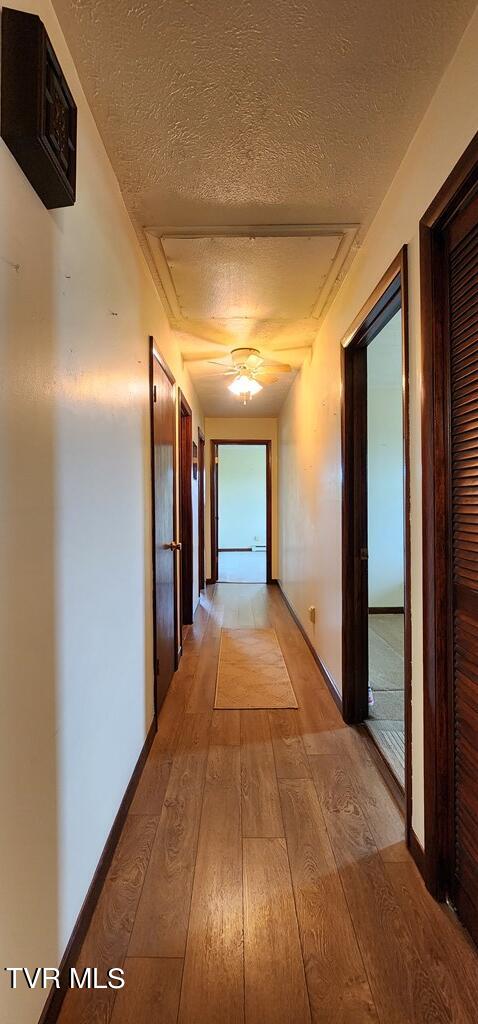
(463, 327)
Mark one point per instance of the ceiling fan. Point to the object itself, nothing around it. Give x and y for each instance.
(250, 371)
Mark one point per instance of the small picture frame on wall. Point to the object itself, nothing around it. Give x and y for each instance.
(195, 461)
(38, 112)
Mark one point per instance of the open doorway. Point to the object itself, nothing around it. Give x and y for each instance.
(386, 568)
(376, 562)
(241, 512)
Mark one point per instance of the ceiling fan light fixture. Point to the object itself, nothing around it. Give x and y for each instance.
(244, 387)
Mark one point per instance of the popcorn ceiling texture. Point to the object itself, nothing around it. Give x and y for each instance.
(258, 111)
(244, 112)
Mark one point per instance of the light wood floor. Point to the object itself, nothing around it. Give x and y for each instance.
(262, 875)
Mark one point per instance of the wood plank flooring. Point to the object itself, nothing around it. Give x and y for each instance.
(262, 875)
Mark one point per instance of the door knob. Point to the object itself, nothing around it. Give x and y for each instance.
(174, 546)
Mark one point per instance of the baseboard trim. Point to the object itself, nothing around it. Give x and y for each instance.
(391, 610)
(56, 996)
(233, 549)
(329, 681)
(417, 852)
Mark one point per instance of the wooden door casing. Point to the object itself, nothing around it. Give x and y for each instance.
(214, 502)
(201, 509)
(186, 508)
(214, 497)
(390, 295)
(163, 444)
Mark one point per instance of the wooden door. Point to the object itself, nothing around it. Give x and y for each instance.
(201, 498)
(164, 514)
(214, 502)
(186, 509)
(461, 246)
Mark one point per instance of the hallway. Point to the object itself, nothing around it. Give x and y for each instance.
(262, 874)
(239, 389)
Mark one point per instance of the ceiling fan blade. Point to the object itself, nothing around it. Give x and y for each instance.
(217, 376)
(221, 362)
(266, 378)
(277, 356)
(205, 357)
(268, 367)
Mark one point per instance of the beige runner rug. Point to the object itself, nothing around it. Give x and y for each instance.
(252, 672)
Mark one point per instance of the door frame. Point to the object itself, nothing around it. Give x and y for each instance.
(214, 502)
(459, 187)
(185, 435)
(154, 354)
(201, 510)
(390, 294)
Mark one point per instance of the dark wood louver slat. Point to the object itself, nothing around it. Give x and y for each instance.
(463, 324)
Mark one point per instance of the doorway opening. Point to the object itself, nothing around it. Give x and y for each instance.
(241, 511)
(376, 560)
(386, 568)
(165, 546)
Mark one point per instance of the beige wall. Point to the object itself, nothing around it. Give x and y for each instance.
(309, 428)
(237, 429)
(77, 306)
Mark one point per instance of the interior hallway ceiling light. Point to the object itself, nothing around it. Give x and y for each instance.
(246, 365)
(244, 386)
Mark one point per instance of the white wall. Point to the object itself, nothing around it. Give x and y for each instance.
(77, 305)
(236, 429)
(242, 495)
(385, 467)
(309, 427)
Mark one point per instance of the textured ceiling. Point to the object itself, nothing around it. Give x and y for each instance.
(262, 278)
(257, 112)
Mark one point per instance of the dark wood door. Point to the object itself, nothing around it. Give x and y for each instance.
(164, 437)
(186, 510)
(201, 498)
(214, 500)
(461, 249)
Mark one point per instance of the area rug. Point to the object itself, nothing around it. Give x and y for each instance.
(252, 672)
